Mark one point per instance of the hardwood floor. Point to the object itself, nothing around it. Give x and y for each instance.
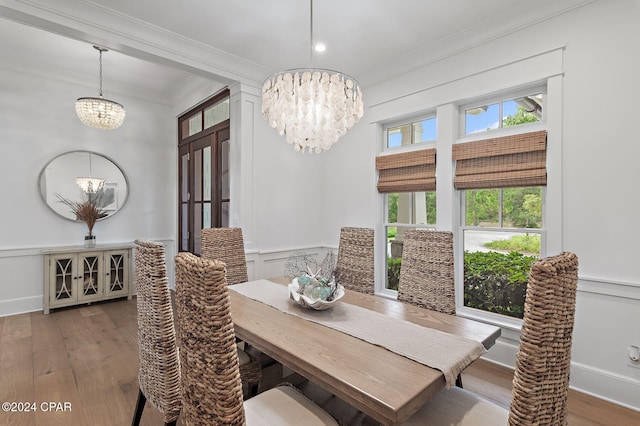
(87, 357)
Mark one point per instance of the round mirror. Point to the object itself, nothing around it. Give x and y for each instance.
(75, 176)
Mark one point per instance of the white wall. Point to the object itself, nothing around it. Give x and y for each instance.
(38, 122)
(598, 203)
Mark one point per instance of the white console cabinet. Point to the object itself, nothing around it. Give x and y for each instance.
(75, 275)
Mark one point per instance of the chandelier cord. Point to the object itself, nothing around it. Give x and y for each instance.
(311, 34)
(100, 50)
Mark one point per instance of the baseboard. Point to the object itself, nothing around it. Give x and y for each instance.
(601, 384)
(612, 387)
(20, 306)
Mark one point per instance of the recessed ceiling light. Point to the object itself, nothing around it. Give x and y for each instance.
(320, 47)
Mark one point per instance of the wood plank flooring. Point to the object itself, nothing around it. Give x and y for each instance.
(87, 357)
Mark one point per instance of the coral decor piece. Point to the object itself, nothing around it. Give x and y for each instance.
(317, 290)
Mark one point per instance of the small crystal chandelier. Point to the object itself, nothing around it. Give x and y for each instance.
(100, 112)
(312, 107)
(90, 185)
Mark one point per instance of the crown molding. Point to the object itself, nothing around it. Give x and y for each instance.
(86, 21)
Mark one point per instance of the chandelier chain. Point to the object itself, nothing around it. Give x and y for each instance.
(100, 50)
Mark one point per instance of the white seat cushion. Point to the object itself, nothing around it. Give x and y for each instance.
(282, 406)
(457, 406)
(243, 357)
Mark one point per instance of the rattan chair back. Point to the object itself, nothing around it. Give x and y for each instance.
(541, 380)
(159, 371)
(355, 264)
(211, 382)
(226, 245)
(427, 270)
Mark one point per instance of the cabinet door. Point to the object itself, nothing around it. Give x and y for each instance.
(117, 273)
(62, 279)
(90, 275)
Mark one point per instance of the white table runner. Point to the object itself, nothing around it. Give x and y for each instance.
(443, 351)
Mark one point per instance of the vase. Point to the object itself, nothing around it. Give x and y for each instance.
(89, 241)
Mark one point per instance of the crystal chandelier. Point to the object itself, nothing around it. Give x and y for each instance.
(89, 184)
(100, 112)
(312, 107)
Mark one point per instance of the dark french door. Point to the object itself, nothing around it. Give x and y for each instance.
(203, 172)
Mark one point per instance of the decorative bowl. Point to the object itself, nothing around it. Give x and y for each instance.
(307, 302)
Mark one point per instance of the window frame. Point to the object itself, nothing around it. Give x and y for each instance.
(500, 98)
(506, 322)
(384, 290)
(410, 121)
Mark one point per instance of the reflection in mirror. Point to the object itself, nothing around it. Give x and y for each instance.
(74, 175)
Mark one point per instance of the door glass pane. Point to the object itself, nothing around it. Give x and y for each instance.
(206, 215)
(216, 113)
(64, 277)
(184, 243)
(206, 174)
(197, 227)
(195, 123)
(184, 178)
(90, 275)
(197, 182)
(224, 172)
(116, 272)
(224, 215)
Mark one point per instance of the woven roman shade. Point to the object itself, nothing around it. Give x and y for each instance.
(508, 161)
(407, 172)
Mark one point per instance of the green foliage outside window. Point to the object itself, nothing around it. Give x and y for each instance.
(521, 207)
(496, 282)
(393, 272)
(520, 117)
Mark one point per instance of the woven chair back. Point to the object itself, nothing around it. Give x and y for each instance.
(226, 245)
(209, 360)
(427, 270)
(355, 264)
(159, 372)
(541, 380)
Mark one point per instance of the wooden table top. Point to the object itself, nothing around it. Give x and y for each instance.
(380, 383)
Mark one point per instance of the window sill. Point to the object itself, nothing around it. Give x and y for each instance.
(505, 322)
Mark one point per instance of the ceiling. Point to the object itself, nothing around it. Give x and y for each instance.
(372, 40)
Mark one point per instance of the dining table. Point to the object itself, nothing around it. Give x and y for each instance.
(385, 382)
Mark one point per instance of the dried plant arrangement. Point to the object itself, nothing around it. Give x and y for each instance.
(87, 211)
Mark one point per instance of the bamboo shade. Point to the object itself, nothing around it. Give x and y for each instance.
(508, 161)
(407, 172)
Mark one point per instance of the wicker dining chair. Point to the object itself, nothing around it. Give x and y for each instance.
(427, 271)
(212, 392)
(226, 245)
(541, 379)
(355, 264)
(159, 369)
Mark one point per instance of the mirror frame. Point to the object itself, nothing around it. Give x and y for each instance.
(42, 186)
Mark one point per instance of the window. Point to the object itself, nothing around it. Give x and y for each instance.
(412, 133)
(502, 227)
(404, 210)
(408, 180)
(509, 112)
(501, 233)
